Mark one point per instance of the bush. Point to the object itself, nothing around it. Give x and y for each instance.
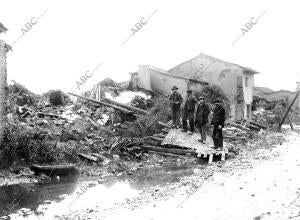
(147, 125)
(33, 146)
(213, 92)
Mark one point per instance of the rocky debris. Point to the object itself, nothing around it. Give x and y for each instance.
(55, 130)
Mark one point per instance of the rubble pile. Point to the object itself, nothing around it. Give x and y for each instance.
(123, 124)
(236, 133)
(57, 130)
(264, 117)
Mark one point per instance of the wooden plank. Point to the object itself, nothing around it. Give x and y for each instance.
(223, 156)
(258, 125)
(155, 138)
(99, 156)
(131, 108)
(167, 150)
(210, 159)
(166, 154)
(159, 135)
(103, 103)
(164, 124)
(88, 157)
(287, 111)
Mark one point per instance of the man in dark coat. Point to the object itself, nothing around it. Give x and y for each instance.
(189, 111)
(175, 102)
(202, 118)
(218, 123)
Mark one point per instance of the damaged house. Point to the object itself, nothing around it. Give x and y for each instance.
(236, 81)
(4, 48)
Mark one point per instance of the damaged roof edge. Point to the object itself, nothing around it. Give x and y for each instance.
(246, 69)
(8, 47)
(5, 45)
(176, 76)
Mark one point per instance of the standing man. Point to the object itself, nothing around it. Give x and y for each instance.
(218, 123)
(189, 111)
(202, 118)
(175, 101)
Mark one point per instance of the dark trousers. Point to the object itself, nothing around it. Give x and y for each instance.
(188, 115)
(203, 130)
(217, 137)
(175, 116)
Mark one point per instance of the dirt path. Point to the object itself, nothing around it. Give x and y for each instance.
(263, 185)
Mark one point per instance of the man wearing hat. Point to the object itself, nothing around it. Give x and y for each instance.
(175, 101)
(189, 110)
(218, 123)
(202, 118)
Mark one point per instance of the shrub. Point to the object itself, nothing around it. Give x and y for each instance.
(33, 146)
(213, 92)
(147, 125)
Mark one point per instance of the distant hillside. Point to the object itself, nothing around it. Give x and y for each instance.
(262, 89)
(271, 95)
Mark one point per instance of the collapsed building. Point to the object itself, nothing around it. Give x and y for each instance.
(4, 48)
(236, 81)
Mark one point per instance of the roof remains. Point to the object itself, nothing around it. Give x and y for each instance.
(246, 69)
(3, 29)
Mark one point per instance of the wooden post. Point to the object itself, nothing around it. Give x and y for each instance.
(287, 111)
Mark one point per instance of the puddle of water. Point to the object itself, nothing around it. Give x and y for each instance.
(43, 201)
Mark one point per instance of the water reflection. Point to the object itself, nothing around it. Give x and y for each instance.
(44, 201)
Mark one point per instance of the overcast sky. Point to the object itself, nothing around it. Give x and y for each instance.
(73, 37)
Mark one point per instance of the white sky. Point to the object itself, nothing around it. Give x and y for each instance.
(73, 37)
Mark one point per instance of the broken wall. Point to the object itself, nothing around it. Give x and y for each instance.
(3, 87)
(159, 81)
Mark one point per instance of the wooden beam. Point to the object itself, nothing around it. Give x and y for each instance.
(131, 108)
(103, 103)
(168, 150)
(287, 111)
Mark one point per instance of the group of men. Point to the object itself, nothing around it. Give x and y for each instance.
(201, 115)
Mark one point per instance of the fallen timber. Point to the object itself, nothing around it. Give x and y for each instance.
(258, 125)
(55, 170)
(155, 138)
(169, 150)
(88, 157)
(104, 103)
(163, 124)
(287, 111)
(131, 108)
(167, 154)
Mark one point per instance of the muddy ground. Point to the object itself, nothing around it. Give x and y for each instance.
(166, 188)
(203, 190)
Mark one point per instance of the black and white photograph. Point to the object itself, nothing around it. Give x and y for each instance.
(149, 110)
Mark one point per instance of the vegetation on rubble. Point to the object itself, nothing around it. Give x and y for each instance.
(213, 92)
(29, 145)
(147, 125)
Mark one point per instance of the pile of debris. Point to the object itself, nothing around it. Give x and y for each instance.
(240, 132)
(123, 124)
(74, 129)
